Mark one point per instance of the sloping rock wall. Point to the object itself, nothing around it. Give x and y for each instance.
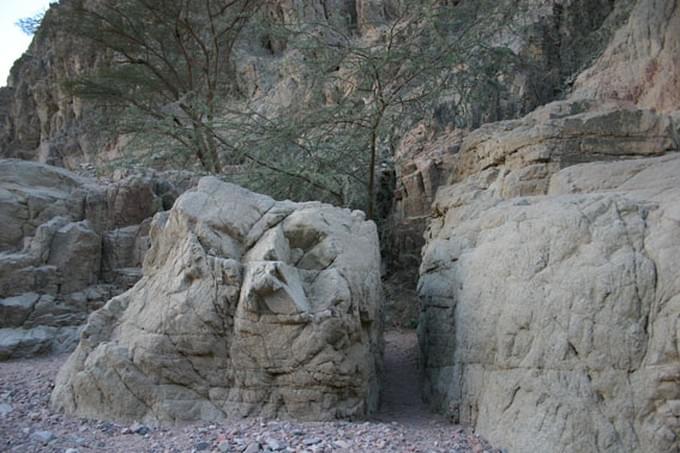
(247, 307)
(553, 41)
(67, 245)
(641, 64)
(44, 122)
(549, 282)
(41, 121)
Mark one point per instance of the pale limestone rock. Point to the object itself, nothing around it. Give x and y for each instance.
(520, 155)
(247, 307)
(550, 290)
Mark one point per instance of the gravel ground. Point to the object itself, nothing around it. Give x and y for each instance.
(27, 424)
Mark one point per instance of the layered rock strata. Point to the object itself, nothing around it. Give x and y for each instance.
(549, 282)
(247, 307)
(67, 245)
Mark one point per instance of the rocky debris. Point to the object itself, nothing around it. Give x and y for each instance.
(247, 307)
(29, 392)
(68, 244)
(549, 282)
(5, 409)
(43, 437)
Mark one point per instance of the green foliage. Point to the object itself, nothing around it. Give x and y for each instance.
(29, 25)
(170, 65)
(171, 86)
(364, 92)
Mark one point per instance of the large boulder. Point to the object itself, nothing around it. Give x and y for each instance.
(247, 306)
(549, 283)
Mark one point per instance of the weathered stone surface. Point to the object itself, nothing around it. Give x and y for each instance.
(76, 251)
(124, 249)
(45, 121)
(528, 151)
(525, 152)
(14, 311)
(550, 286)
(68, 244)
(640, 64)
(247, 307)
(15, 343)
(552, 40)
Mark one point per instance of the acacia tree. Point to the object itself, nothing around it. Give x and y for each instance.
(172, 75)
(170, 79)
(370, 89)
(29, 25)
(170, 66)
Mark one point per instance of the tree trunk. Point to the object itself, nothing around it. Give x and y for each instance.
(370, 204)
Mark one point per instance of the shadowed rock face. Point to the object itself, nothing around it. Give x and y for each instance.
(247, 306)
(67, 245)
(550, 290)
(40, 120)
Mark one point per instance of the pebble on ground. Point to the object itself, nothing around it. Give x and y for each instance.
(27, 424)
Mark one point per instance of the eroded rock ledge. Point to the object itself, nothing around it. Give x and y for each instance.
(247, 306)
(67, 245)
(550, 287)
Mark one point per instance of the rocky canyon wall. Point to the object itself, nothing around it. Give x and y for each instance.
(40, 120)
(549, 276)
(67, 245)
(640, 66)
(549, 294)
(552, 42)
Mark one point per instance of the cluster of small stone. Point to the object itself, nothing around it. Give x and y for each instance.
(28, 424)
(276, 436)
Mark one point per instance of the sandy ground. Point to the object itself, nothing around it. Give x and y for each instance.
(27, 424)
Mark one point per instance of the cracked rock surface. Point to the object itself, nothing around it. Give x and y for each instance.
(550, 291)
(68, 244)
(247, 307)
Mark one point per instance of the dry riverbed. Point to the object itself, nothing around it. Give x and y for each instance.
(27, 424)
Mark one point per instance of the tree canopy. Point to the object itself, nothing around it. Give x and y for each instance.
(171, 80)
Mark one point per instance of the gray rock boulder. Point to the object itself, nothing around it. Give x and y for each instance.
(247, 307)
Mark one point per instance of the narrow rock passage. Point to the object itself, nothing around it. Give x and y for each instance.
(402, 406)
(401, 397)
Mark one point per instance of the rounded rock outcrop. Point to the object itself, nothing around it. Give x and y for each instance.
(247, 307)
